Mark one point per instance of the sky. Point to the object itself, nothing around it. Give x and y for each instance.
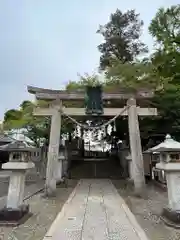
(46, 43)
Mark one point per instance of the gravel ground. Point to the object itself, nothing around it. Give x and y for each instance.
(44, 212)
(147, 212)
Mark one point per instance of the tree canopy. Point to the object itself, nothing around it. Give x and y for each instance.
(165, 29)
(121, 38)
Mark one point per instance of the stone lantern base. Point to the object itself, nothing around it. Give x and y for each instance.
(14, 217)
(171, 217)
(15, 212)
(171, 214)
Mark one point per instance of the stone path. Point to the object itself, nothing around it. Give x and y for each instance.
(95, 211)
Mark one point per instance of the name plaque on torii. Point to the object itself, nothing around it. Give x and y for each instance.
(93, 101)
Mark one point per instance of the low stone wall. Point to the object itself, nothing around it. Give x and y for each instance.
(123, 153)
(39, 158)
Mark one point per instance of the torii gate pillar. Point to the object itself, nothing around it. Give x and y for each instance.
(136, 149)
(53, 151)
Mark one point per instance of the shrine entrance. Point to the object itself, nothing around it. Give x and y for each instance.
(102, 168)
(97, 159)
(98, 105)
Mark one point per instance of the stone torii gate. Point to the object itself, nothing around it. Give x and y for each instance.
(56, 97)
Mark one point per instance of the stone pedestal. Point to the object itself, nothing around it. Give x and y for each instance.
(65, 167)
(123, 152)
(15, 211)
(172, 170)
(130, 167)
(59, 169)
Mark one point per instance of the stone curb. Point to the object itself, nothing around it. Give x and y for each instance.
(140, 232)
(54, 226)
(137, 228)
(169, 224)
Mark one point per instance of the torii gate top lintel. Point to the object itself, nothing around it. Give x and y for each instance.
(50, 94)
(119, 97)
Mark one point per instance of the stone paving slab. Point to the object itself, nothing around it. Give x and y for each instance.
(95, 223)
(95, 211)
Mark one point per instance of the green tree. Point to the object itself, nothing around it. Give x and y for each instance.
(35, 128)
(12, 114)
(121, 38)
(167, 64)
(167, 100)
(165, 28)
(26, 105)
(84, 80)
(133, 76)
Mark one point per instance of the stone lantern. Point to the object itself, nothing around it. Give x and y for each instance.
(19, 162)
(169, 155)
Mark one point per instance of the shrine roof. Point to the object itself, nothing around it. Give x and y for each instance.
(50, 94)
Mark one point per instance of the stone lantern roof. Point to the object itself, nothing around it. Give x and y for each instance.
(16, 146)
(168, 145)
